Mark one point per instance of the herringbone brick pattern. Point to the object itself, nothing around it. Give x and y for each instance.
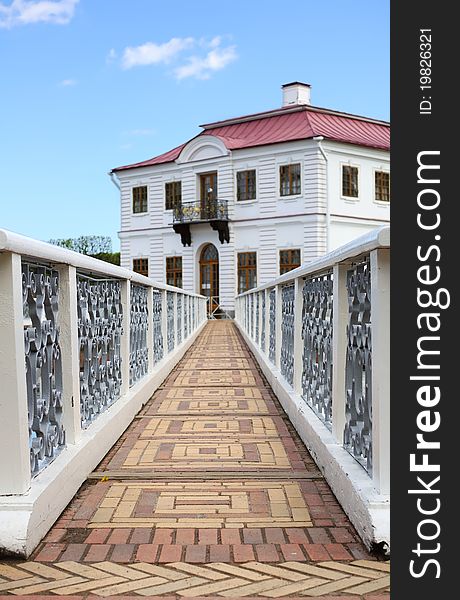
(209, 492)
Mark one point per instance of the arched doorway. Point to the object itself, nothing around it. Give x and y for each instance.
(209, 276)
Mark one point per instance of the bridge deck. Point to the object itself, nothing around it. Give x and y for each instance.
(209, 492)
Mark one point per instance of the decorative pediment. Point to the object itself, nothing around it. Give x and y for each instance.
(202, 147)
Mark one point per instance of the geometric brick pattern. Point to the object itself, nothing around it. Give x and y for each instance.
(358, 578)
(222, 505)
(209, 426)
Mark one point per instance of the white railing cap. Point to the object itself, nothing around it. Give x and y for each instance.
(377, 238)
(37, 250)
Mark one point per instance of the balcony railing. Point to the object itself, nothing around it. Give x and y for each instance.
(199, 211)
(214, 212)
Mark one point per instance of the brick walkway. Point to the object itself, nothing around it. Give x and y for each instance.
(209, 492)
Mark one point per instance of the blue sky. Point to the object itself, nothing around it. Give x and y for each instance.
(88, 85)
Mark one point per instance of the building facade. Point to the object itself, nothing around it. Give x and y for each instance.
(250, 198)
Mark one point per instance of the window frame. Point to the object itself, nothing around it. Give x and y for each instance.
(174, 271)
(246, 268)
(172, 182)
(289, 165)
(358, 169)
(140, 212)
(299, 250)
(382, 202)
(256, 190)
(140, 258)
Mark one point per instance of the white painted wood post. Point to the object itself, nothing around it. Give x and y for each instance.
(150, 328)
(175, 318)
(298, 341)
(278, 321)
(14, 428)
(70, 352)
(124, 344)
(164, 321)
(380, 325)
(339, 348)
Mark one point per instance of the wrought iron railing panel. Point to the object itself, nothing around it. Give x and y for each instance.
(170, 319)
(100, 327)
(139, 324)
(186, 313)
(157, 314)
(256, 329)
(317, 345)
(263, 324)
(179, 318)
(358, 375)
(251, 314)
(40, 292)
(272, 328)
(287, 332)
(210, 210)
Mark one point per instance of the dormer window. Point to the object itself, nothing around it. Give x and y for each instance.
(140, 199)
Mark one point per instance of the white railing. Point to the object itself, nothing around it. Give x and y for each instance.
(78, 337)
(322, 333)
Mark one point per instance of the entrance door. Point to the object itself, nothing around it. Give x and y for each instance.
(209, 276)
(208, 194)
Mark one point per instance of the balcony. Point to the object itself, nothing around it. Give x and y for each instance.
(213, 211)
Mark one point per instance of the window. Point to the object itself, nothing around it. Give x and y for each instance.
(247, 271)
(289, 259)
(141, 265)
(140, 199)
(173, 194)
(382, 186)
(246, 185)
(350, 181)
(174, 271)
(289, 180)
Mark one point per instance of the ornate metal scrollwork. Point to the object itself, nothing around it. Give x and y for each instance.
(287, 332)
(40, 292)
(186, 313)
(317, 346)
(157, 329)
(251, 314)
(263, 326)
(257, 319)
(272, 328)
(100, 327)
(139, 323)
(170, 319)
(357, 434)
(179, 318)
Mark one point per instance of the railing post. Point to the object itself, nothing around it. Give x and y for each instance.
(175, 318)
(124, 342)
(380, 324)
(278, 322)
(14, 430)
(150, 329)
(164, 321)
(339, 348)
(298, 345)
(70, 352)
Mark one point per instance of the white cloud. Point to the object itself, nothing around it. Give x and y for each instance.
(68, 82)
(151, 53)
(203, 67)
(23, 12)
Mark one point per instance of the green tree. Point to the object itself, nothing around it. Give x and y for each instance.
(98, 246)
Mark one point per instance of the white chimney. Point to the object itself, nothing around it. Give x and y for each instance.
(296, 93)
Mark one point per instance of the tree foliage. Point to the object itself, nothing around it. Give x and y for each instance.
(86, 244)
(98, 246)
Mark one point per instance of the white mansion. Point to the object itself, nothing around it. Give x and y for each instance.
(252, 197)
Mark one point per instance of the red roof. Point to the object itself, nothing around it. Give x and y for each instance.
(286, 124)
